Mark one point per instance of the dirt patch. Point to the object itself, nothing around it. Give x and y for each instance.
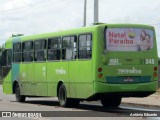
(158, 91)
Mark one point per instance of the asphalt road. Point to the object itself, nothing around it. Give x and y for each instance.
(50, 106)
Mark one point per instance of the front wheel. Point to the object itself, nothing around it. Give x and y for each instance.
(111, 101)
(19, 97)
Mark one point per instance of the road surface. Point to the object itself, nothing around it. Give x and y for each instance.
(86, 110)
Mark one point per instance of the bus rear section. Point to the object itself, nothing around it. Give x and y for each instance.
(129, 66)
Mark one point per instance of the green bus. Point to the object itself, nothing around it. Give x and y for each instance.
(103, 62)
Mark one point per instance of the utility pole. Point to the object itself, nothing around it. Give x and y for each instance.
(96, 11)
(85, 6)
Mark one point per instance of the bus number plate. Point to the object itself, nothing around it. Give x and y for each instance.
(128, 79)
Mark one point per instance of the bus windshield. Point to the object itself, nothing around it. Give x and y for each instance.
(129, 39)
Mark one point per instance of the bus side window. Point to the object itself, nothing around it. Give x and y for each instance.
(27, 51)
(17, 52)
(69, 48)
(54, 48)
(40, 50)
(85, 46)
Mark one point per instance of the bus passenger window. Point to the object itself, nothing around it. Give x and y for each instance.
(40, 50)
(69, 48)
(27, 51)
(85, 46)
(17, 52)
(54, 48)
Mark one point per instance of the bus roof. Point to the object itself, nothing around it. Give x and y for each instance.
(75, 31)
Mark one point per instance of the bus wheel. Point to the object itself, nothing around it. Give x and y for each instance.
(111, 101)
(64, 101)
(62, 96)
(19, 97)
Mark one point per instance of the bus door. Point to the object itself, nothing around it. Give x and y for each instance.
(69, 64)
(55, 70)
(40, 67)
(83, 74)
(27, 69)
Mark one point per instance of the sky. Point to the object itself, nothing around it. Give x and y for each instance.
(30, 17)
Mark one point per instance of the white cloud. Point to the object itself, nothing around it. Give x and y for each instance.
(14, 5)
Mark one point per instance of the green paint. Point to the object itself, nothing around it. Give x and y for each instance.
(15, 72)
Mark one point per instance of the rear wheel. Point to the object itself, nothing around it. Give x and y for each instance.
(111, 101)
(19, 97)
(63, 100)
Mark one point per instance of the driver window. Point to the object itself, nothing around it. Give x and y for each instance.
(6, 58)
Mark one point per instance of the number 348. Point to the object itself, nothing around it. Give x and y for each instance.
(149, 61)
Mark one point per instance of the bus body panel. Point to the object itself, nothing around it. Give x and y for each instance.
(83, 79)
(7, 84)
(40, 78)
(52, 78)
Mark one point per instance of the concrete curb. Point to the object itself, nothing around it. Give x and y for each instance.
(140, 105)
(150, 101)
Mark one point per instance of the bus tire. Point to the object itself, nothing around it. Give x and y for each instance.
(63, 100)
(62, 96)
(111, 101)
(19, 97)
